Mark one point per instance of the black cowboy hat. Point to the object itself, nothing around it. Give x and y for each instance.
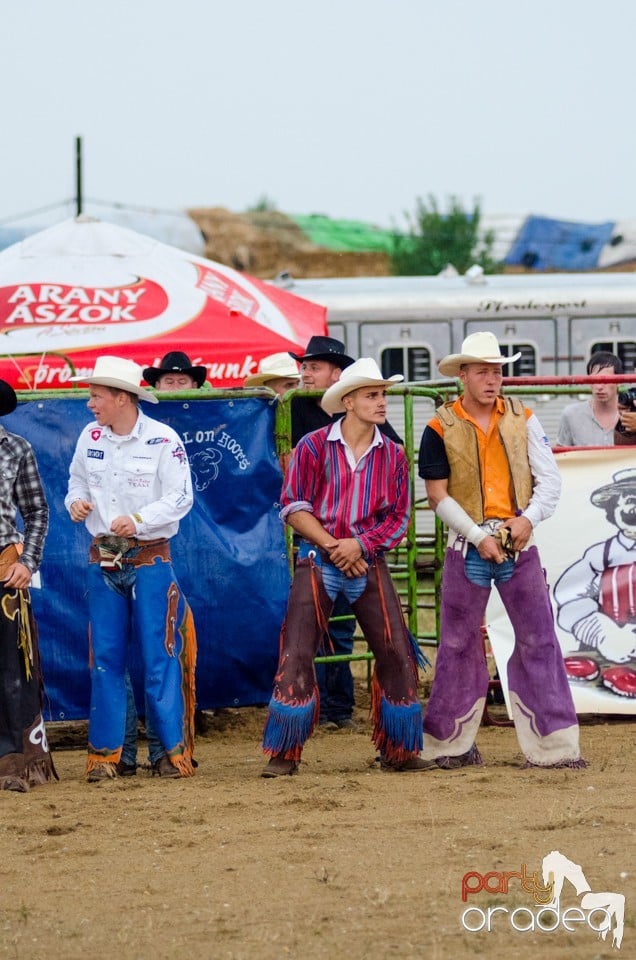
(624, 481)
(8, 399)
(325, 348)
(175, 362)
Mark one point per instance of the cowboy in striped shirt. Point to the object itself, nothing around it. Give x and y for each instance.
(346, 493)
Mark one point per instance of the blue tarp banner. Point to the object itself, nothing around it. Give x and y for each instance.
(547, 244)
(229, 554)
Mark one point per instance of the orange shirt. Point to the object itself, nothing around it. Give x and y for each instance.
(496, 482)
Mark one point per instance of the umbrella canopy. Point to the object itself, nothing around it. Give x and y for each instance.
(84, 288)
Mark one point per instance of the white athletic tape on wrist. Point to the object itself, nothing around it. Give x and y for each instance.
(455, 517)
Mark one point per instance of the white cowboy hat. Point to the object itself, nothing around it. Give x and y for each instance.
(274, 367)
(119, 373)
(363, 373)
(477, 348)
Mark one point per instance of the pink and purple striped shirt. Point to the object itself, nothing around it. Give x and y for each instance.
(371, 503)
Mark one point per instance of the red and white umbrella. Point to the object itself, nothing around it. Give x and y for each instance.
(85, 288)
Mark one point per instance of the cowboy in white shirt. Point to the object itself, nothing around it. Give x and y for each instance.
(130, 483)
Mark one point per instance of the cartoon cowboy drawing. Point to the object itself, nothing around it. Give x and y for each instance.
(596, 596)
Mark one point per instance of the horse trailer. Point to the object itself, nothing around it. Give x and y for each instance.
(555, 321)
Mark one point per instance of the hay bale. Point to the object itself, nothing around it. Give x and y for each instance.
(267, 242)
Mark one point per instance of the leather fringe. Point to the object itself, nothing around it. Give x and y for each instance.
(397, 728)
(93, 762)
(183, 763)
(16, 604)
(188, 668)
(289, 726)
(419, 656)
(579, 764)
(321, 619)
(41, 771)
(472, 758)
(25, 642)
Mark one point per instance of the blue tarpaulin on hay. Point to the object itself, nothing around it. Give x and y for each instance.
(546, 244)
(229, 554)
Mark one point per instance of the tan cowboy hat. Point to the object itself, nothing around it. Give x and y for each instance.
(363, 373)
(274, 367)
(119, 373)
(477, 348)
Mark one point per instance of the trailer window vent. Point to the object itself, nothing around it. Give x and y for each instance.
(414, 363)
(526, 365)
(625, 350)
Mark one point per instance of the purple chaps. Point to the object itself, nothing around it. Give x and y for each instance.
(542, 708)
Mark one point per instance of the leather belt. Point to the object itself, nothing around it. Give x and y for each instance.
(112, 552)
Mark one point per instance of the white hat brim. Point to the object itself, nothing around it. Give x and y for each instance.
(449, 366)
(332, 399)
(118, 385)
(262, 379)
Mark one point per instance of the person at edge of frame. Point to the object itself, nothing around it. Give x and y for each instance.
(25, 758)
(593, 421)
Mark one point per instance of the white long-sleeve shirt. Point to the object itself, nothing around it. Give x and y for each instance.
(144, 475)
(545, 473)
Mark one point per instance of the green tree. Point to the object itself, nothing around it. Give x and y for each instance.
(437, 238)
(264, 204)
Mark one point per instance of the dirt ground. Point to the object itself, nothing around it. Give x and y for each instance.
(341, 861)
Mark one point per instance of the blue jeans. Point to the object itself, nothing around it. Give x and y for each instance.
(135, 602)
(483, 572)
(129, 748)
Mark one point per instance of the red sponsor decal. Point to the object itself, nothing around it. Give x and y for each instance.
(218, 287)
(48, 304)
(96, 434)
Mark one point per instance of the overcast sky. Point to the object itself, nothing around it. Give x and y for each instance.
(351, 108)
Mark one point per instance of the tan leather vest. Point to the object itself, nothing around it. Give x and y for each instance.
(462, 449)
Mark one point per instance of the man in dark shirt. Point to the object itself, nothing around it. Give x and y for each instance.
(320, 367)
(321, 364)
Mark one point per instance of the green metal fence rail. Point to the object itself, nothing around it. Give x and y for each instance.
(416, 565)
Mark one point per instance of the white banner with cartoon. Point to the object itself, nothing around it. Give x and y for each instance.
(588, 549)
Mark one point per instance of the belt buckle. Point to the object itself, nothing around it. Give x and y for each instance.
(491, 527)
(116, 544)
(504, 536)
(111, 549)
